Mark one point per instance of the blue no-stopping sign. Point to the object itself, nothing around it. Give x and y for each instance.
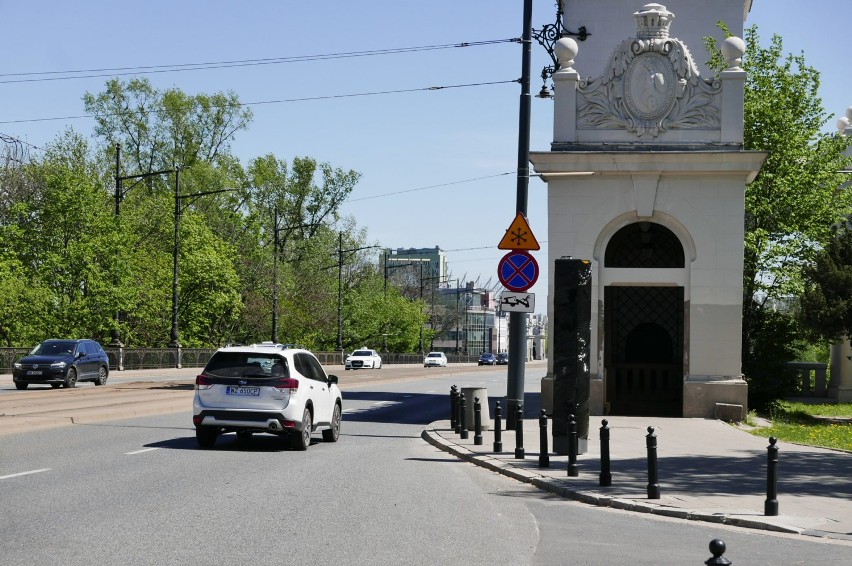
(518, 270)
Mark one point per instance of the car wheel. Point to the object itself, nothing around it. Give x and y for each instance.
(206, 436)
(20, 385)
(71, 378)
(333, 433)
(54, 385)
(102, 376)
(302, 440)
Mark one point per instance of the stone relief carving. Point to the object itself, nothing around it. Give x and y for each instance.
(651, 84)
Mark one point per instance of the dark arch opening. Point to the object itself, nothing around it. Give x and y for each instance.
(644, 244)
(649, 343)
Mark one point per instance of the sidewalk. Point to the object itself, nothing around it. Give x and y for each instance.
(708, 470)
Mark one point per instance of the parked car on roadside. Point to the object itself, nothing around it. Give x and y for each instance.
(62, 363)
(266, 388)
(435, 359)
(363, 358)
(487, 359)
(502, 359)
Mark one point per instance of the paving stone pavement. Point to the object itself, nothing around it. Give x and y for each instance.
(708, 470)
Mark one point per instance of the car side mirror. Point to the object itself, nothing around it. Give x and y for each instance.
(332, 379)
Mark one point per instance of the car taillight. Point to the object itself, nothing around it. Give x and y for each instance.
(203, 382)
(287, 385)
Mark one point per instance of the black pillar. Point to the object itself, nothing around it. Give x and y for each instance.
(572, 312)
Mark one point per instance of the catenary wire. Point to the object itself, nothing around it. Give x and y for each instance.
(40, 76)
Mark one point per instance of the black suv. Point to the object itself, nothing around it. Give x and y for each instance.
(62, 362)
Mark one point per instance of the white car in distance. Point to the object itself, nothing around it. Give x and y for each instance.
(435, 359)
(363, 358)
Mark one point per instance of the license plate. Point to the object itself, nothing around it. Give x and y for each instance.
(243, 391)
(34, 372)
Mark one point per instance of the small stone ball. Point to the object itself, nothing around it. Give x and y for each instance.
(733, 48)
(566, 49)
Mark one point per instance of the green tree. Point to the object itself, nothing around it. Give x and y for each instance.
(159, 130)
(63, 237)
(826, 304)
(791, 205)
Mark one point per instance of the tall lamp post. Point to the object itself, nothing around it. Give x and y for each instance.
(340, 253)
(179, 208)
(119, 195)
(437, 278)
(517, 320)
(419, 260)
(276, 246)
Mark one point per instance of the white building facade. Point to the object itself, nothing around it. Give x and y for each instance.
(646, 179)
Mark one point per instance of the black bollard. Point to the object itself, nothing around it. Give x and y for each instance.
(605, 477)
(543, 455)
(498, 433)
(717, 548)
(477, 422)
(463, 418)
(653, 482)
(454, 398)
(519, 433)
(459, 413)
(770, 508)
(572, 447)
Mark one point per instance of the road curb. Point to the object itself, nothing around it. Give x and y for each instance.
(563, 490)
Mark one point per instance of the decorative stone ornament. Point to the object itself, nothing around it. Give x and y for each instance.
(651, 84)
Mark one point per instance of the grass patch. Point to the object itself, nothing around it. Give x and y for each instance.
(829, 426)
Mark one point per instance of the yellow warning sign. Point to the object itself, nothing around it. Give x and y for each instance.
(519, 236)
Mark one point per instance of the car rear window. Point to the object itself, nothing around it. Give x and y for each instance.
(434, 355)
(246, 364)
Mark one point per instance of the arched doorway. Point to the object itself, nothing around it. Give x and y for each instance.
(644, 326)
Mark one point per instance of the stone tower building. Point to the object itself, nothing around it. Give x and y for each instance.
(646, 179)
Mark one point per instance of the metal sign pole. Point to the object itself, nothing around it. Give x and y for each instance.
(518, 320)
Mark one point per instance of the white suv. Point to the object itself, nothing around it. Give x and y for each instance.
(266, 388)
(363, 358)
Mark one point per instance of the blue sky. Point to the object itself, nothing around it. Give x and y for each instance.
(438, 166)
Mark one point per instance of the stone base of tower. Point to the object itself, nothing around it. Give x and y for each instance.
(721, 399)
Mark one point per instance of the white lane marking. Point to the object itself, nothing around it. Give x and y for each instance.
(24, 473)
(139, 451)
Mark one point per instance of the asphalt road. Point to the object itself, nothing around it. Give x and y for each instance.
(139, 491)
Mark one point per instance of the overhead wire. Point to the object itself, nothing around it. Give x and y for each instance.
(281, 101)
(39, 76)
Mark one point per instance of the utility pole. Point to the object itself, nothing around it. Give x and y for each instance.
(340, 254)
(518, 320)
